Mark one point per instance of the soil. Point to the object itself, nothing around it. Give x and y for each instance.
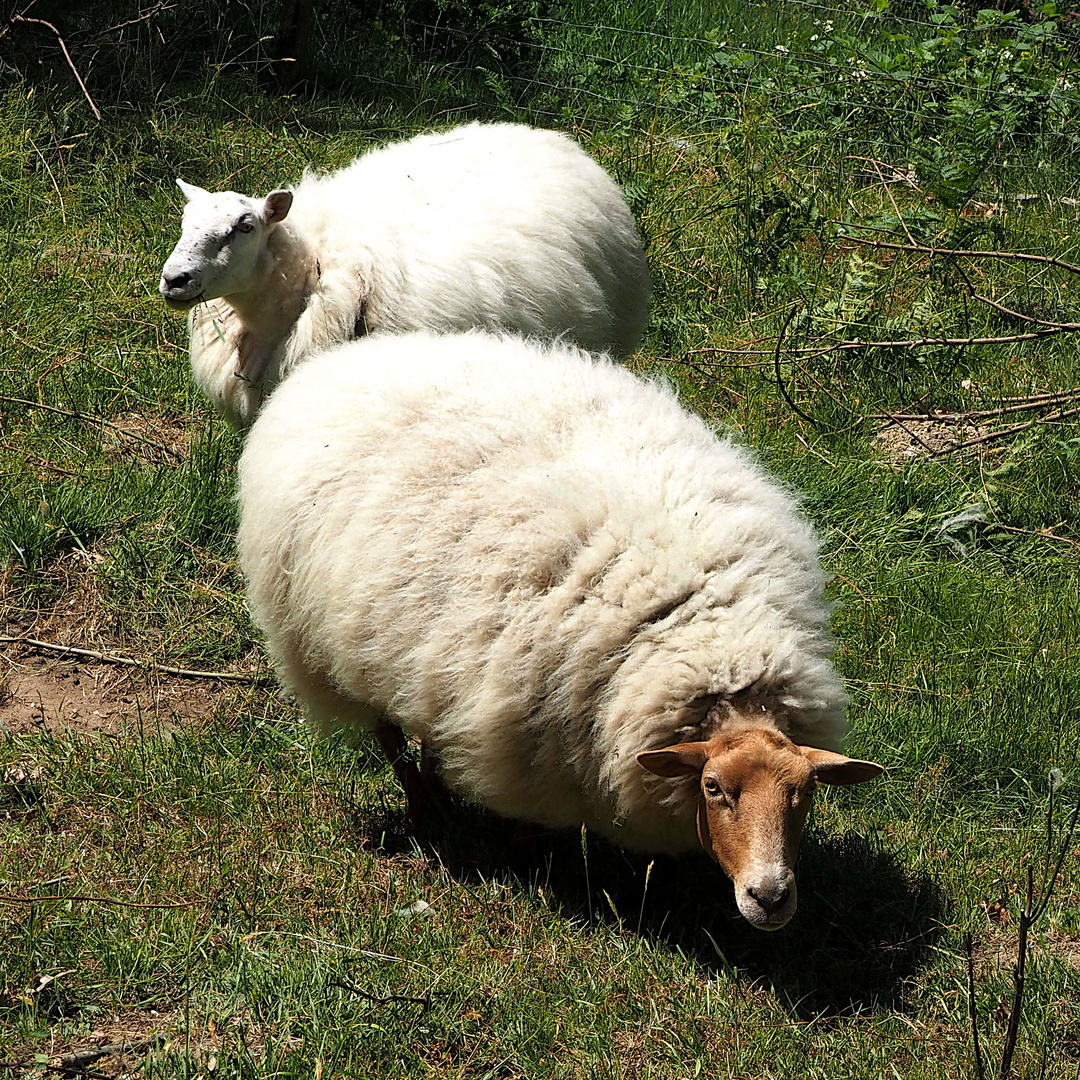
(919, 437)
(44, 690)
(43, 693)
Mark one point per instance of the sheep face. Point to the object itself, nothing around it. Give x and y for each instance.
(222, 239)
(756, 788)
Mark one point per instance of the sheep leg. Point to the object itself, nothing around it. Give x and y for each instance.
(423, 802)
(429, 771)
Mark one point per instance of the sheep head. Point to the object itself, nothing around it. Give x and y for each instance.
(756, 788)
(222, 238)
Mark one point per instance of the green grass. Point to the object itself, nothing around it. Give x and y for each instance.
(275, 874)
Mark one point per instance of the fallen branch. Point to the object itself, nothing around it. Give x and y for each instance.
(1004, 433)
(146, 665)
(979, 414)
(1022, 317)
(79, 1059)
(146, 16)
(92, 420)
(344, 984)
(67, 57)
(812, 352)
(1043, 534)
(971, 253)
(87, 898)
(779, 373)
(35, 1066)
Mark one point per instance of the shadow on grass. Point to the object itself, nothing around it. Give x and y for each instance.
(864, 928)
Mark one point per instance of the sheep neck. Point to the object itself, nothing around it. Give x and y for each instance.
(285, 276)
(730, 714)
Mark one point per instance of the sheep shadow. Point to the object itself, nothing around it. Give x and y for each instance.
(864, 929)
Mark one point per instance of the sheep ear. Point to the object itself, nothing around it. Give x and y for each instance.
(682, 759)
(190, 191)
(276, 206)
(832, 768)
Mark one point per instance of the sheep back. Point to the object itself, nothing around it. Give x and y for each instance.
(489, 226)
(533, 561)
(485, 226)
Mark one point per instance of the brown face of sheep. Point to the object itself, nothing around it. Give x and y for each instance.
(756, 790)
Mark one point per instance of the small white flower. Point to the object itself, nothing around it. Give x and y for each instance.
(781, 48)
(814, 37)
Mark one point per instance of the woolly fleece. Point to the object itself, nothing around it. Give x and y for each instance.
(536, 563)
(491, 226)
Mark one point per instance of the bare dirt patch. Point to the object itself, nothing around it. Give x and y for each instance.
(919, 437)
(43, 689)
(119, 1044)
(48, 694)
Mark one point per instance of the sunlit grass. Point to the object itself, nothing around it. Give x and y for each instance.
(278, 876)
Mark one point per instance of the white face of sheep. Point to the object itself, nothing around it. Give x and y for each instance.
(756, 787)
(222, 237)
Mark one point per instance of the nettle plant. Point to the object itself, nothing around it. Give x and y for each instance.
(960, 88)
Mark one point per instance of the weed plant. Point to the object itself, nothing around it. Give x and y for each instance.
(254, 894)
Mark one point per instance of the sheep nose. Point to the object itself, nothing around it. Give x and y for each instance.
(770, 900)
(176, 281)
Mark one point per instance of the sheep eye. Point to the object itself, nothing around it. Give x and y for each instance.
(246, 226)
(712, 787)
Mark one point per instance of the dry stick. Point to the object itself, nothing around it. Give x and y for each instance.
(1037, 397)
(80, 1058)
(1042, 534)
(344, 984)
(896, 209)
(92, 420)
(146, 16)
(780, 375)
(127, 661)
(993, 436)
(980, 1072)
(978, 414)
(1025, 318)
(812, 352)
(65, 1069)
(7, 898)
(974, 253)
(67, 57)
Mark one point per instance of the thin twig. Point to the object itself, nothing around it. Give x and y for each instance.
(980, 1072)
(978, 414)
(344, 984)
(67, 57)
(1024, 318)
(93, 420)
(147, 665)
(896, 209)
(1041, 533)
(779, 373)
(65, 1069)
(78, 1059)
(146, 16)
(974, 253)
(1004, 433)
(812, 352)
(7, 898)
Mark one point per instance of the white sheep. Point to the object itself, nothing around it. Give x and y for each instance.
(485, 226)
(590, 608)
